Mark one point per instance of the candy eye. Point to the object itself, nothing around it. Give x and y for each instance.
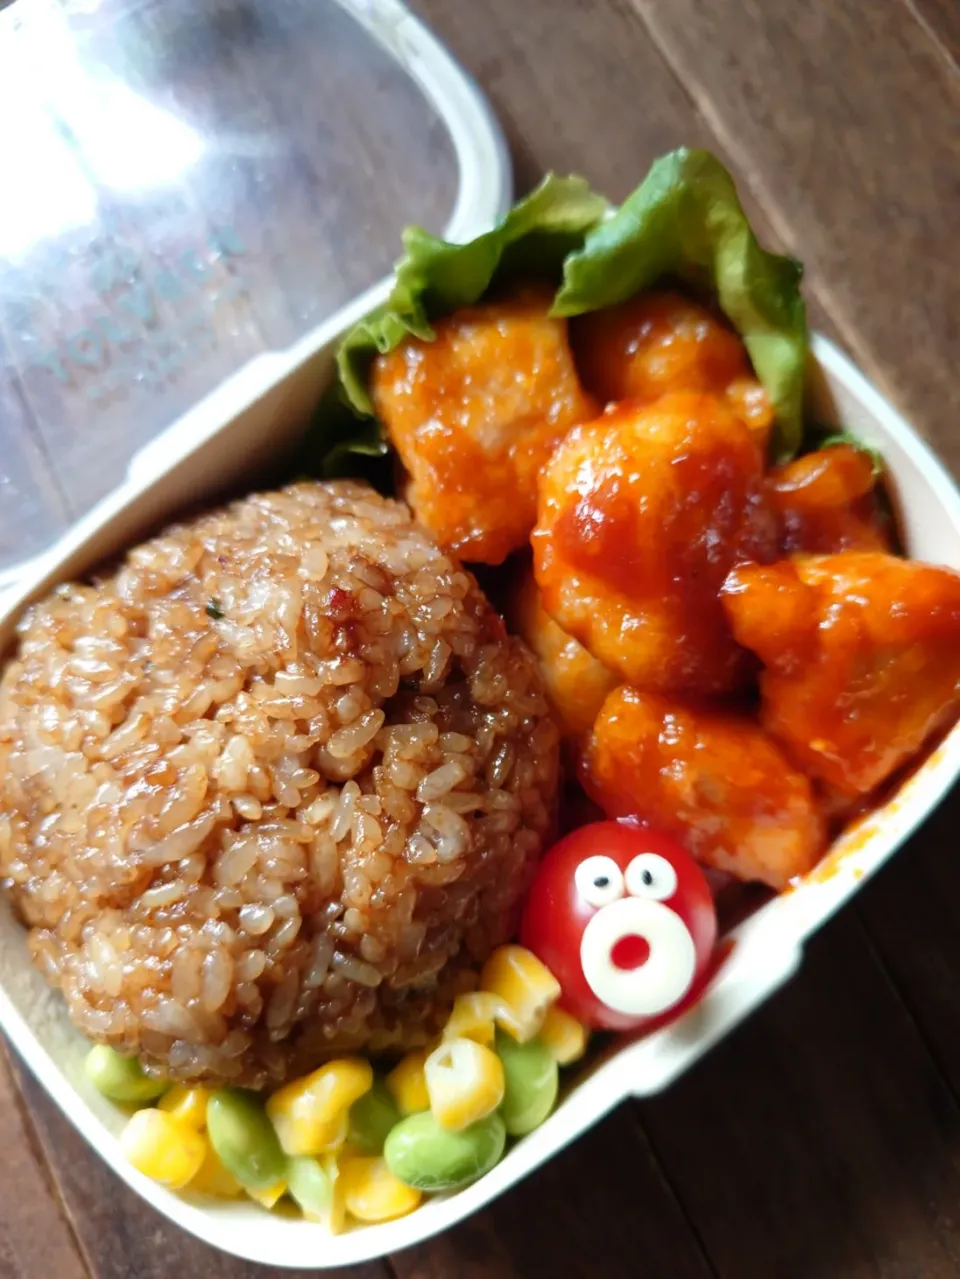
(650, 875)
(599, 880)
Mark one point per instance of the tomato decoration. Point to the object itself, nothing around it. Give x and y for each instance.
(624, 918)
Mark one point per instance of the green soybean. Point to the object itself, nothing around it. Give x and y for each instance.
(371, 1119)
(244, 1138)
(121, 1078)
(309, 1185)
(422, 1154)
(530, 1082)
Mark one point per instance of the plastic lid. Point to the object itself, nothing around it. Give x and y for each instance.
(187, 186)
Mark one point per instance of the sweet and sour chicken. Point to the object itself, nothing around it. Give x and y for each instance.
(474, 416)
(673, 570)
(642, 514)
(861, 657)
(658, 343)
(827, 501)
(713, 779)
(576, 683)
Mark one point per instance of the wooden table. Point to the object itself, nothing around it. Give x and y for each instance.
(823, 1138)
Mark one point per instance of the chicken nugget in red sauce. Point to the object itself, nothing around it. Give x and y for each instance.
(474, 416)
(662, 342)
(828, 501)
(642, 514)
(575, 682)
(862, 658)
(714, 780)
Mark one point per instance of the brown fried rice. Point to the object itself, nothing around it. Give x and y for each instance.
(273, 788)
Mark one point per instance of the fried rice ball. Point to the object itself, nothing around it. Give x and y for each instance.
(273, 788)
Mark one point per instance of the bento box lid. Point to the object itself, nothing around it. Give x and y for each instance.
(186, 187)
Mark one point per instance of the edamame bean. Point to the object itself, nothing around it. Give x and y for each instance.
(422, 1154)
(371, 1119)
(309, 1185)
(530, 1082)
(121, 1078)
(244, 1138)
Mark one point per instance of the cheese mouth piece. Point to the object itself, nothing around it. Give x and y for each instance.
(615, 967)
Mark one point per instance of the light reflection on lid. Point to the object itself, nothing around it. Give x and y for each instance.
(184, 187)
(73, 124)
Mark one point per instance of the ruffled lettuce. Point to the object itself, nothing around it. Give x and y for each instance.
(685, 220)
(435, 277)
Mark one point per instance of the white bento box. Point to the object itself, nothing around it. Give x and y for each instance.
(226, 438)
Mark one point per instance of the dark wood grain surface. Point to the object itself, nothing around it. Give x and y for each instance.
(822, 1140)
(843, 120)
(941, 18)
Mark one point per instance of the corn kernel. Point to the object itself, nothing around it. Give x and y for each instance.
(407, 1084)
(338, 1133)
(337, 1213)
(526, 986)
(311, 1114)
(214, 1179)
(189, 1105)
(163, 1148)
(464, 1081)
(372, 1193)
(474, 1017)
(563, 1036)
(269, 1196)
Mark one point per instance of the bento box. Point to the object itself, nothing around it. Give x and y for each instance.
(226, 444)
(766, 949)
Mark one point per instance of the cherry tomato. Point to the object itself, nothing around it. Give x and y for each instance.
(624, 919)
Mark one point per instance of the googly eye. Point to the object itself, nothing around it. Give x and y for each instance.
(599, 880)
(650, 875)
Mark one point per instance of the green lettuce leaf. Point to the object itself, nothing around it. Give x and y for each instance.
(686, 220)
(435, 277)
(338, 444)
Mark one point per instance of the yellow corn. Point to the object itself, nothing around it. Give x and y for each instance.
(186, 1104)
(338, 1133)
(372, 1193)
(214, 1179)
(465, 1083)
(163, 1148)
(474, 1016)
(337, 1212)
(407, 1084)
(563, 1036)
(310, 1114)
(525, 985)
(269, 1196)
